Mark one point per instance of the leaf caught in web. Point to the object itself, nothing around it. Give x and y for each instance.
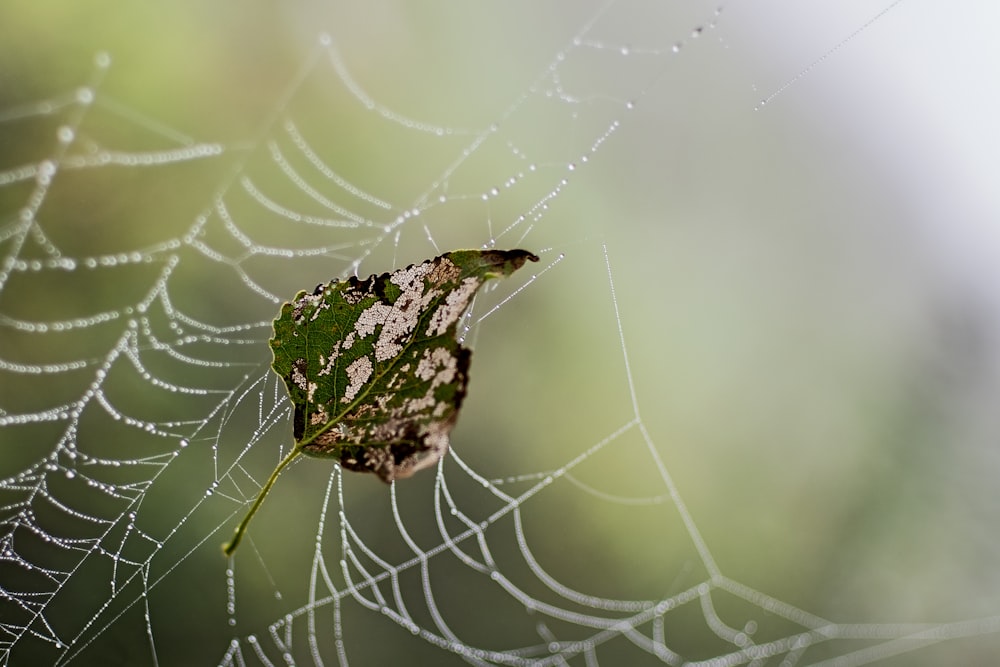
(374, 368)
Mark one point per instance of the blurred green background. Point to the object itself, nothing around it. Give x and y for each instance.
(807, 293)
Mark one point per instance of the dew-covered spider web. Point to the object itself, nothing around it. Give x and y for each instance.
(743, 412)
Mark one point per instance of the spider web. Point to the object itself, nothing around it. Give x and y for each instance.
(669, 453)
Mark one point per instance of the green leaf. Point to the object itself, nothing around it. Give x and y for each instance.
(374, 368)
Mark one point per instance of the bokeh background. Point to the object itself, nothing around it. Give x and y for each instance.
(807, 288)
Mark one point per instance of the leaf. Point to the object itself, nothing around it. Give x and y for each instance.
(374, 368)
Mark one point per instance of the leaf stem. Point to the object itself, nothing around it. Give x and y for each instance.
(229, 547)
